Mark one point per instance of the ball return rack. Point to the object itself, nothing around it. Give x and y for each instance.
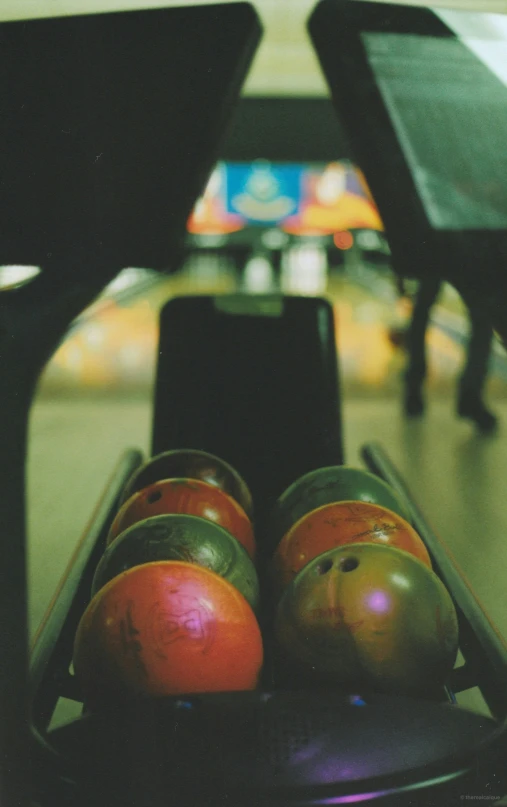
(85, 177)
(276, 746)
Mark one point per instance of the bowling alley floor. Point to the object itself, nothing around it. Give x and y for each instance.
(457, 476)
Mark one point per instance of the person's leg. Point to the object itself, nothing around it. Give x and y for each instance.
(415, 373)
(471, 385)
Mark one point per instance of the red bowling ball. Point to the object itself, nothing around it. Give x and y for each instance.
(338, 524)
(186, 496)
(166, 628)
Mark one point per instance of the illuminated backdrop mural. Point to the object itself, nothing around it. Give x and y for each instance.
(300, 198)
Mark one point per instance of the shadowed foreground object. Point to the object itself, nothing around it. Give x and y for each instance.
(369, 616)
(196, 465)
(337, 524)
(101, 162)
(269, 749)
(185, 538)
(164, 629)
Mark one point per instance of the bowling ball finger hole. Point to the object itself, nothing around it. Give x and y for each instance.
(348, 564)
(154, 497)
(325, 566)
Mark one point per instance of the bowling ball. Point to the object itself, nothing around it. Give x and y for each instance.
(190, 496)
(337, 483)
(183, 462)
(339, 524)
(166, 628)
(372, 617)
(185, 538)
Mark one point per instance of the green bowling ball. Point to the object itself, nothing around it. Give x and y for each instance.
(336, 483)
(368, 616)
(185, 538)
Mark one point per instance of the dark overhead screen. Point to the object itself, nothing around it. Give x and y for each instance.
(449, 112)
(109, 126)
(425, 116)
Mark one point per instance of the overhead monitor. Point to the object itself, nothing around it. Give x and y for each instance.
(425, 112)
(449, 112)
(109, 126)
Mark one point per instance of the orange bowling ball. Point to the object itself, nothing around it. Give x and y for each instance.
(166, 628)
(338, 524)
(192, 497)
(187, 462)
(368, 616)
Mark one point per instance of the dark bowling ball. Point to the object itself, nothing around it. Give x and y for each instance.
(185, 538)
(183, 462)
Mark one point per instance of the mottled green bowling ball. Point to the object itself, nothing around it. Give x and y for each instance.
(185, 538)
(336, 483)
(369, 616)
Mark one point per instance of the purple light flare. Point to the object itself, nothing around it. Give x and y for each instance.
(379, 602)
(356, 797)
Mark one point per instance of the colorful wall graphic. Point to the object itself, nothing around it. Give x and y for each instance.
(301, 199)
